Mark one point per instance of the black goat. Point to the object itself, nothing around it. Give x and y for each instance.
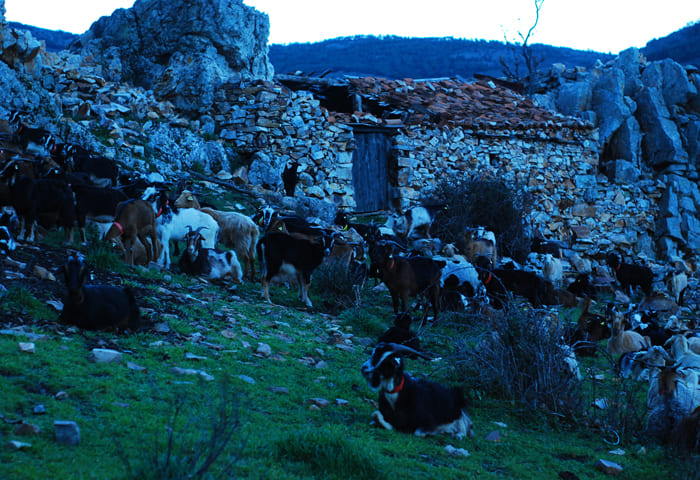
(102, 170)
(630, 275)
(24, 135)
(500, 281)
(581, 286)
(290, 178)
(277, 251)
(97, 203)
(401, 332)
(413, 405)
(96, 307)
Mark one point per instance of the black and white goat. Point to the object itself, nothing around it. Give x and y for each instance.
(283, 253)
(206, 262)
(96, 307)
(409, 404)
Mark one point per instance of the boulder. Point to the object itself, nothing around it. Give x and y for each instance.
(183, 51)
(631, 62)
(661, 141)
(622, 172)
(626, 142)
(609, 104)
(574, 98)
(671, 78)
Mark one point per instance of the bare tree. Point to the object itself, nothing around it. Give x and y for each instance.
(522, 52)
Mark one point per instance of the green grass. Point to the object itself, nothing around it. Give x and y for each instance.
(124, 410)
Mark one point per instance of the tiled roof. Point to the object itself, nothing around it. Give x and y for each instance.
(481, 104)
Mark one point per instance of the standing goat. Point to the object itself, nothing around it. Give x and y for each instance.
(134, 218)
(409, 404)
(96, 307)
(630, 275)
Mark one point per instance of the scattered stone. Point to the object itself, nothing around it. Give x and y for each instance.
(133, 366)
(608, 467)
(191, 371)
(162, 327)
(501, 424)
(192, 356)
(319, 402)
(279, 390)
(228, 333)
(17, 445)
(247, 379)
(341, 403)
(601, 403)
(494, 437)
(42, 273)
(67, 432)
(61, 395)
(105, 355)
(26, 347)
(264, 350)
(27, 429)
(39, 409)
(55, 304)
(456, 452)
(321, 364)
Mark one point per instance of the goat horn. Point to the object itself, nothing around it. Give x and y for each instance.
(200, 228)
(403, 350)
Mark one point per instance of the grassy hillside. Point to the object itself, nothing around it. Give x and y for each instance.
(275, 389)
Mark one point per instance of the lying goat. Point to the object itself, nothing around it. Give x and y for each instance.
(96, 307)
(401, 332)
(206, 262)
(410, 404)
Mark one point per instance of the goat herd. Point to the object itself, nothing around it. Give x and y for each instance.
(59, 184)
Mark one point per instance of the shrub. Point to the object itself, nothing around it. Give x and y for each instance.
(490, 203)
(337, 286)
(519, 358)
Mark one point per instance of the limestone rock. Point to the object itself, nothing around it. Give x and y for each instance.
(608, 467)
(105, 355)
(67, 432)
(184, 51)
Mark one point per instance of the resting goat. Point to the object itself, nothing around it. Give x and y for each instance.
(401, 332)
(206, 262)
(236, 231)
(96, 307)
(630, 275)
(409, 404)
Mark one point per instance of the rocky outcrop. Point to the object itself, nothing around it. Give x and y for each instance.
(183, 51)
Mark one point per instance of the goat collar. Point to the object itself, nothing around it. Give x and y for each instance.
(618, 266)
(398, 387)
(121, 230)
(391, 266)
(488, 279)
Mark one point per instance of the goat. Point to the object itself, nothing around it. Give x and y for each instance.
(27, 136)
(32, 198)
(134, 218)
(685, 436)
(540, 245)
(401, 332)
(96, 307)
(409, 404)
(282, 253)
(673, 394)
(458, 275)
(8, 245)
(499, 281)
(174, 223)
(581, 286)
(553, 270)
(629, 275)
(206, 262)
(640, 365)
(413, 224)
(102, 170)
(623, 341)
(100, 204)
(479, 242)
(677, 282)
(409, 276)
(290, 178)
(236, 231)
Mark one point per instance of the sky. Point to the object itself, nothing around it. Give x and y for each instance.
(608, 26)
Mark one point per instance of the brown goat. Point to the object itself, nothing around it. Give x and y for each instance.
(135, 218)
(623, 341)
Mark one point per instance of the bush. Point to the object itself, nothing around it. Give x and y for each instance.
(337, 286)
(519, 358)
(488, 203)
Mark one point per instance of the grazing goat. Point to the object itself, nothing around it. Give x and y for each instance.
(174, 223)
(630, 275)
(409, 276)
(96, 307)
(236, 231)
(134, 218)
(97, 203)
(409, 404)
(283, 253)
(206, 262)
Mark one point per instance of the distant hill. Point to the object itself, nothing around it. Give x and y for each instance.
(683, 46)
(402, 57)
(56, 40)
